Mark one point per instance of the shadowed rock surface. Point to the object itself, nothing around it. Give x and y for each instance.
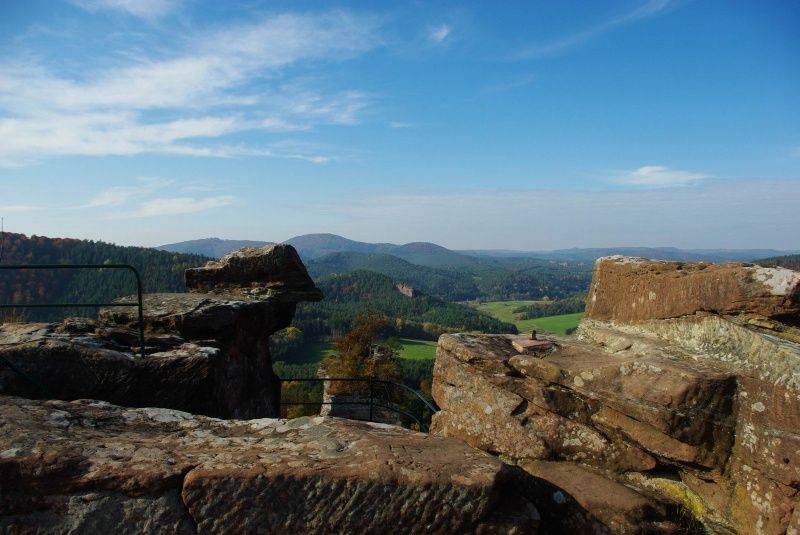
(87, 466)
(681, 392)
(206, 353)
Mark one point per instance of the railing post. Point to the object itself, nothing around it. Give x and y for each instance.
(371, 403)
(141, 309)
(101, 267)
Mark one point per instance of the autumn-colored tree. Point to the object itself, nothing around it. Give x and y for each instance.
(358, 353)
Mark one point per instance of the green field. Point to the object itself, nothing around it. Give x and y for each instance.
(314, 352)
(417, 349)
(502, 310)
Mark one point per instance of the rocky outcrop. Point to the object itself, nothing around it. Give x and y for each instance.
(626, 289)
(92, 467)
(206, 353)
(272, 271)
(687, 403)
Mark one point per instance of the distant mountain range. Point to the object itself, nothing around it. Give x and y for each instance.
(213, 247)
(315, 246)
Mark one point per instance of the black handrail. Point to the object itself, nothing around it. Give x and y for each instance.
(371, 403)
(137, 304)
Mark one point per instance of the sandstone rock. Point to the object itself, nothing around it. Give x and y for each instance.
(484, 402)
(629, 289)
(271, 271)
(576, 500)
(71, 366)
(684, 383)
(207, 353)
(94, 467)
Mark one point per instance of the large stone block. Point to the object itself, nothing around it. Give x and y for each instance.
(626, 289)
(93, 467)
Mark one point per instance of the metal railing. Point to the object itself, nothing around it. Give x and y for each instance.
(373, 401)
(137, 304)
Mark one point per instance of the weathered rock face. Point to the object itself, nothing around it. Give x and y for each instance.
(699, 412)
(626, 289)
(274, 271)
(206, 353)
(86, 466)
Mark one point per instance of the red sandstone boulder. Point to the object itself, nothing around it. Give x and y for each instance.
(626, 289)
(270, 271)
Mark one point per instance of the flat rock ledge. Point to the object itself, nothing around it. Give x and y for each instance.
(91, 467)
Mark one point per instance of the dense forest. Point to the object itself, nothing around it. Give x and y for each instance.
(161, 271)
(791, 261)
(488, 279)
(570, 305)
(422, 316)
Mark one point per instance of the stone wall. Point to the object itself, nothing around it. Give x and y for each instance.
(680, 393)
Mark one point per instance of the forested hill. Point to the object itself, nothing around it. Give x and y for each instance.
(791, 261)
(420, 316)
(446, 284)
(161, 271)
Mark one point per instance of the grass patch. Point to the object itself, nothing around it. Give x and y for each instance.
(502, 310)
(315, 352)
(311, 353)
(557, 324)
(417, 349)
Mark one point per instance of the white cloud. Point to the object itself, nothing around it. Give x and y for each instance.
(223, 82)
(566, 42)
(660, 176)
(510, 84)
(17, 208)
(400, 125)
(145, 9)
(439, 34)
(182, 205)
(122, 194)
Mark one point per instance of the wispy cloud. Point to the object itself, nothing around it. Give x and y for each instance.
(660, 176)
(439, 34)
(145, 9)
(221, 83)
(123, 194)
(562, 44)
(17, 208)
(507, 85)
(400, 125)
(182, 205)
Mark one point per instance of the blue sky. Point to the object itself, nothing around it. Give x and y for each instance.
(520, 125)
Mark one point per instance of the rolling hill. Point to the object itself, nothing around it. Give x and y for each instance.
(313, 246)
(211, 247)
(450, 285)
(418, 317)
(161, 271)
